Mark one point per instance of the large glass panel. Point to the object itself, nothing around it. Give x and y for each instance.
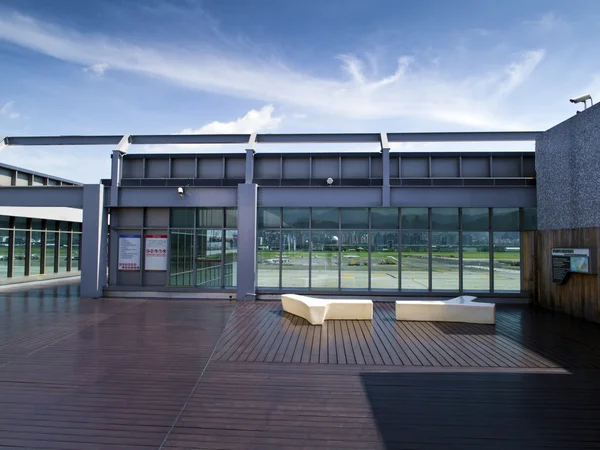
(325, 218)
(476, 261)
(210, 218)
(230, 268)
(505, 219)
(325, 260)
(294, 258)
(384, 259)
(444, 218)
(355, 218)
(35, 263)
(51, 243)
(295, 217)
(268, 245)
(182, 217)
(415, 218)
(475, 219)
(355, 260)
(4, 234)
(64, 245)
(76, 261)
(36, 224)
(384, 218)
(530, 219)
(415, 260)
(181, 265)
(269, 218)
(209, 253)
(507, 261)
(19, 262)
(231, 218)
(444, 261)
(4, 222)
(21, 223)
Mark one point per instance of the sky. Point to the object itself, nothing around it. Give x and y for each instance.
(241, 66)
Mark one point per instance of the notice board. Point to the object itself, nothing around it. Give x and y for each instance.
(155, 259)
(129, 252)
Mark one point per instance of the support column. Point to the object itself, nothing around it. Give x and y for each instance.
(250, 159)
(116, 174)
(93, 245)
(385, 160)
(246, 264)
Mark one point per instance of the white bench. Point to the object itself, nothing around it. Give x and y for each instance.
(459, 309)
(317, 310)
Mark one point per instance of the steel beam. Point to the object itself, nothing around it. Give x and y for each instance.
(190, 139)
(313, 138)
(63, 140)
(48, 196)
(124, 143)
(2, 143)
(246, 242)
(320, 196)
(94, 242)
(167, 197)
(484, 136)
(466, 197)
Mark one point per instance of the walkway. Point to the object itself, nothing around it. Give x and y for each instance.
(85, 374)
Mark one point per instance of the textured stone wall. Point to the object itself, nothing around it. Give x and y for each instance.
(567, 164)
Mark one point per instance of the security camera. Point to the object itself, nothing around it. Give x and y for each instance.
(180, 191)
(329, 181)
(580, 99)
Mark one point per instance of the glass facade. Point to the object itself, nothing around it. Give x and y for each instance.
(391, 249)
(33, 247)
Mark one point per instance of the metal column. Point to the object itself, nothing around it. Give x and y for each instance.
(246, 264)
(94, 240)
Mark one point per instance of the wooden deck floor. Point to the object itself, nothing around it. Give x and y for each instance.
(111, 374)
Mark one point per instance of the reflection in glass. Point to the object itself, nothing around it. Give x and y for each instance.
(355, 260)
(415, 260)
(230, 268)
(76, 248)
(182, 257)
(209, 251)
(294, 259)
(414, 218)
(355, 218)
(231, 217)
(384, 218)
(268, 244)
(63, 257)
(530, 219)
(269, 218)
(476, 261)
(475, 219)
(507, 261)
(182, 217)
(505, 219)
(384, 260)
(324, 260)
(210, 218)
(19, 260)
(444, 218)
(4, 254)
(444, 261)
(35, 263)
(295, 217)
(325, 218)
(51, 242)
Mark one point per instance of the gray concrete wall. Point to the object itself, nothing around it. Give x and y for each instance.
(567, 165)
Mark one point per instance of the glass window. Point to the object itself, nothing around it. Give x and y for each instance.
(4, 222)
(384, 259)
(384, 218)
(36, 251)
(4, 234)
(210, 218)
(77, 227)
(476, 261)
(530, 219)
(51, 225)
(181, 263)
(294, 258)
(21, 223)
(36, 224)
(230, 267)
(19, 260)
(76, 261)
(505, 219)
(269, 218)
(444, 218)
(325, 218)
(231, 217)
(63, 226)
(268, 245)
(182, 217)
(209, 252)
(62, 259)
(355, 260)
(415, 260)
(51, 242)
(324, 260)
(415, 218)
(507, 261)
(475, 219)
(444, 261)
(295, 217)
(355, 218)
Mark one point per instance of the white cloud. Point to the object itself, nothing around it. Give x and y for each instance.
(547, 22)
(8, 110)
(254, 121)
(98, 69)
(411, 92)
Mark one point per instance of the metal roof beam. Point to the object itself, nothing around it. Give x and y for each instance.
(312, 138)
(63, 140)
(477, 136)
(148, 139)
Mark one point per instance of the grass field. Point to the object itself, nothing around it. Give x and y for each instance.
(364, 255)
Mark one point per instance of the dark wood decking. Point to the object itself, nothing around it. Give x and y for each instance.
(88, 374)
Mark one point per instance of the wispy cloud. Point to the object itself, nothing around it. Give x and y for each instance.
(8, 110)
(99, 69)
(549, 21)
(253, 121)
(411, 91)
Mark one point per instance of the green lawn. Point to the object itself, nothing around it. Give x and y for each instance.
(375, 255)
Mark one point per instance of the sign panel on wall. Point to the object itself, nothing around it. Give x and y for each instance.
(156, 253)
(129, 252)
(571, 260)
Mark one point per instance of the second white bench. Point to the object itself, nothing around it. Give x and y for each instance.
(459, 309)
(317, 310)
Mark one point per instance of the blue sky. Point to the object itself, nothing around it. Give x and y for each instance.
(181, 66)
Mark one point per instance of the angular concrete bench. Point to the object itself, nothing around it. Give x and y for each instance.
(317, 310)
(459, 309)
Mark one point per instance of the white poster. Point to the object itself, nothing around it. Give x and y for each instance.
(156, 253)
(129, 252)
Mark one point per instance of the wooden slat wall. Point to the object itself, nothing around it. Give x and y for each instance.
(580, 295)
(529, 266)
